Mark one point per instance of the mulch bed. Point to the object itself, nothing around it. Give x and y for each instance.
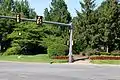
(104, 58)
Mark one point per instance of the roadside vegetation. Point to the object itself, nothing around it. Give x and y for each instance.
(96, 30)
(42, 58)
(115, 62)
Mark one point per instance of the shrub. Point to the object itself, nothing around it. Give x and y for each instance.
(57, 50)
(1, 53)
(105, 54)
(89, 52)
(102, 54)
(105, 58)
(115, 53)
(12, 51)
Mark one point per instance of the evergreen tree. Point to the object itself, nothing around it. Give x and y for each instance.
(58, 13)
(108, 24)
(47, 15)
(85, 24)
(57, 35)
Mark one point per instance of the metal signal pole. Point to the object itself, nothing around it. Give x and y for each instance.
(71, 43)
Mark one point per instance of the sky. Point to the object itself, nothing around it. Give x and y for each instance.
(73, 5)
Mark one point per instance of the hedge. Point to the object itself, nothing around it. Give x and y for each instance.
(105, 53)
(104, 58)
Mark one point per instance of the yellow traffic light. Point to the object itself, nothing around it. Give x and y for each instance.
(39, 20)
(18, 18)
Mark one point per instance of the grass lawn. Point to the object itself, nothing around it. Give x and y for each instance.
(117, 62)
(42, 58)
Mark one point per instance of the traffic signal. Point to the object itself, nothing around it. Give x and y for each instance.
(18, 18)
(39, 20)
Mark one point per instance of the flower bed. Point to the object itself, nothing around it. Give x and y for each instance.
(104, 58)
(61, 57)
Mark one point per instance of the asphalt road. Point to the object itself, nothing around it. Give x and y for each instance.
(30, 71)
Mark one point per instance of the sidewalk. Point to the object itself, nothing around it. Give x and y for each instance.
(82, 62)
(87, 62)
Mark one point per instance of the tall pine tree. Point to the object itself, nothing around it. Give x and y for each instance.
(85, 21)
(59, 13)
(109, 24)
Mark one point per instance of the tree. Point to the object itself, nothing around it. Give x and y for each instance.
(7, 27)
(109, 24)
(28, 37)
(56, 35)
(24, 9)
(47, 15)
(59, 13)
(84, 24)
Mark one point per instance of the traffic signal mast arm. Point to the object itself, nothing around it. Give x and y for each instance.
(23, 19)
(34, 20)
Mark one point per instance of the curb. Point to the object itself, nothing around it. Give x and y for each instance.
(90, 64)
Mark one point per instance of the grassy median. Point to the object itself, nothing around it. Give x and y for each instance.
(116, 62)
(42, 58)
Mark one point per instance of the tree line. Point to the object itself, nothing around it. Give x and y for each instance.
(94, 27)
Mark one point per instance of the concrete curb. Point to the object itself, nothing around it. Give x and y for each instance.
(89, 64)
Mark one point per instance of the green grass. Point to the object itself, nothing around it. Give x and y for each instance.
(43, 58)
(117, 62)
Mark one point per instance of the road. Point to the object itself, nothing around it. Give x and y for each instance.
(30, 71)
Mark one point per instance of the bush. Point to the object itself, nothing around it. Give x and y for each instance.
(89, 52)
(115, 53)
(12, 51)
(105, 58)
(1, 53)
(57, 50)
(105, 54)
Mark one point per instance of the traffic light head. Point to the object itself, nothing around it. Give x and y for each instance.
(18, 18)
(39, 20)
